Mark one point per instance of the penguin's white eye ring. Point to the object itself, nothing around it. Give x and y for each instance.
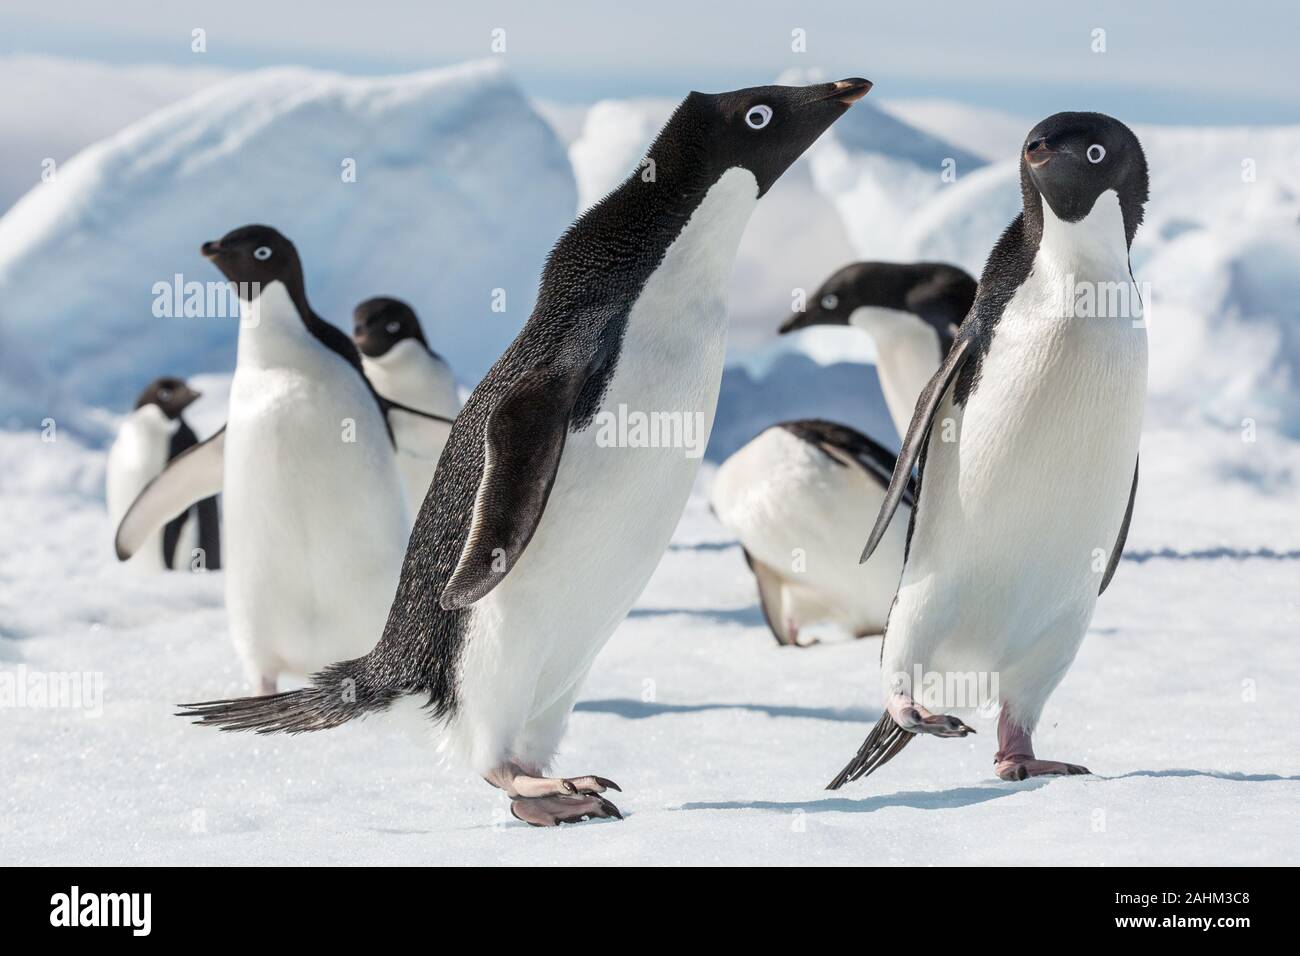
(1096, 153)
(756, 117)
(392, 328)
(830, 300)
(165, 393)
(262, 253)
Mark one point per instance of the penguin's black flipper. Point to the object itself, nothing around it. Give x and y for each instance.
(881, 746)
(1118, 550)
(415, 432)
(918, 433)
(191, 476)
(523, 440)
(182, 440)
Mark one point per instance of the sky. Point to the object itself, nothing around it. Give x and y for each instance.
(1188, 62)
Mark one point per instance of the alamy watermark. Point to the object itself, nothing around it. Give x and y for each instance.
(1107, 300)
(624, 428)
(74, 690)
(181, 299)
(949, 690)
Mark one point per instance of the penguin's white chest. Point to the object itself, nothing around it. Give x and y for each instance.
(137, 456)
(315, 517)
(907, 354)
(622, 483)
(1025, 488)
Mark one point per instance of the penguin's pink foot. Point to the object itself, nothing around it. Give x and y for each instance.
(549, 801)
(1022, 768)
(529, 786)
(553, 810)
(1015, 758)
(915, 719)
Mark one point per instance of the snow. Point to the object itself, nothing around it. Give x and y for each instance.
(425, 220)
(1181, 700)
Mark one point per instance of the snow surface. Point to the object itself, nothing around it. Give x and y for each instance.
(460, 190)
(1182, 699)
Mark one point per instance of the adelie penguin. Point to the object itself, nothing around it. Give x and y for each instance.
(151, 436)
(910, 310)
(797, 495)
(315, 516)
(539, 535)
(400, 365)
(1027, 444)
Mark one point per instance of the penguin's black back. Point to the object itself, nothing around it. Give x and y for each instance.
(592, 278)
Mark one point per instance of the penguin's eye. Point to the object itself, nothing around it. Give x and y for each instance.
(830, 301)
(262, 253)
(758, 116)
(165, 394)
(393, 327)
(1096, 153)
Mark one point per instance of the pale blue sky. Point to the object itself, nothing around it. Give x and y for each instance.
(1186, 62)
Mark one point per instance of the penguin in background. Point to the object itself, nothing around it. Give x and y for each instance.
(542, 529)
(152, 435)
(1025, 494)
(795, 495)
(910, 310)
(311, 561)
(400, 365)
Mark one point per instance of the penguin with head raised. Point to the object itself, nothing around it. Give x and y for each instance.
(546, 520)
(1026, 440)
(794, 494)
(148, 438)
(315, 516)
(400, 365)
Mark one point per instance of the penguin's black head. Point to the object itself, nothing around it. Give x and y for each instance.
(257, 255)
(833, 302)
(1070, 159)
(762, 129)
(935, 292)
(380, 323)
(171, 395)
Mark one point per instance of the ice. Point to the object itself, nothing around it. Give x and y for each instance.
(427, 219)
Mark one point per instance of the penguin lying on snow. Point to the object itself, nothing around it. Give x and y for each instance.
(401, 366)
(1026, 489)
(151, 436)
(316, 520)
(795, 494)
(539, 536)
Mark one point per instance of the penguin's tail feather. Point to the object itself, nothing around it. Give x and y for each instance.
(882, 744)
(336, 695)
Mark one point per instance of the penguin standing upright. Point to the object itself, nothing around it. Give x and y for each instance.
(543, 529)
(1026, 487)
(794, 494)
(315, 516)
(400, 365)
(151, 436)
